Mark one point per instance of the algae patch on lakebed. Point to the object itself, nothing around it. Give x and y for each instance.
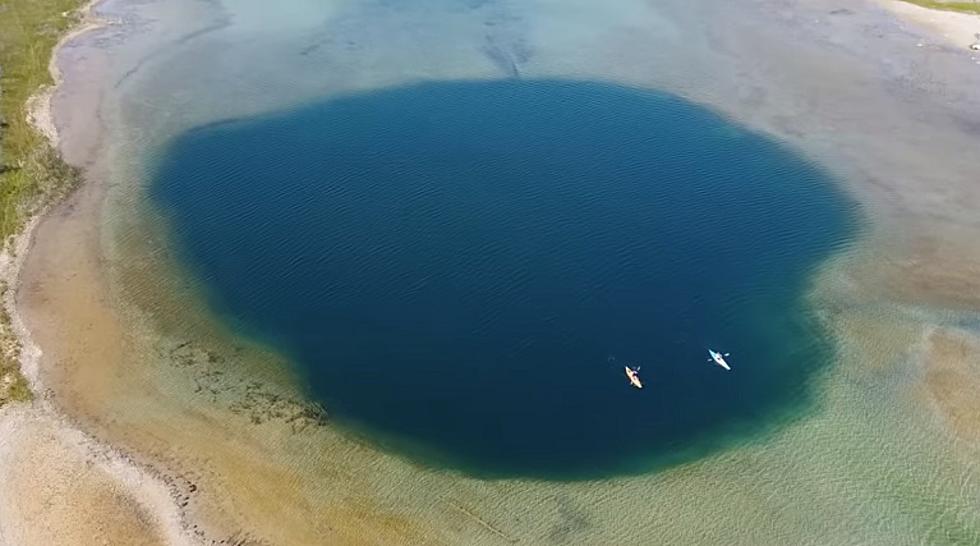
(460, 270)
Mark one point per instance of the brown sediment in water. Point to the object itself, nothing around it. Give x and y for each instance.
(246, 461)
(952, 360)
(916, 263)
(89, 370)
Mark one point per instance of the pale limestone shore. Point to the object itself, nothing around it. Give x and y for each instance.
(39, 111)
(65, 487)
(60, 485)
(953, 28)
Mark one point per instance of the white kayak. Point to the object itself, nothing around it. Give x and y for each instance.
(719, 359)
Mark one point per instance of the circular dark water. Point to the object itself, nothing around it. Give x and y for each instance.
(461, 270)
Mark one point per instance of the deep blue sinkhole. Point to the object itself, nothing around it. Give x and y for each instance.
(461, 270)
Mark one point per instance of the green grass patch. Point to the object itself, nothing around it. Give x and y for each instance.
(31, 172)
(29, 29)
(964, 7)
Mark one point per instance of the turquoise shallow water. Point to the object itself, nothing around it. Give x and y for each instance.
(461, 270)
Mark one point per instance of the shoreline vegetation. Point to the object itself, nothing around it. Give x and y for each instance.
(959, 6)
(32, 172)
(83, 490)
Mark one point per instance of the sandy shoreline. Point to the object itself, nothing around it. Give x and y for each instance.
(954, 29)
(106, 494)
(61, 486)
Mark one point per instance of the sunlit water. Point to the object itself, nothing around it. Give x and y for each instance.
(813, 450)
(468, 267)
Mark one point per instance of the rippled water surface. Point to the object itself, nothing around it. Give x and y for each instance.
(461, 270)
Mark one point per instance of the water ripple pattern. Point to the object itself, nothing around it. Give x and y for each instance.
(461, 270)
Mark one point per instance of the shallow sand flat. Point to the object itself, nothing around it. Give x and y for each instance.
(871, 464)
(56, 491)
(952, 379)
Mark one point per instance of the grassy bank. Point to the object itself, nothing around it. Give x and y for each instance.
(31, 172)
(965, 7)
